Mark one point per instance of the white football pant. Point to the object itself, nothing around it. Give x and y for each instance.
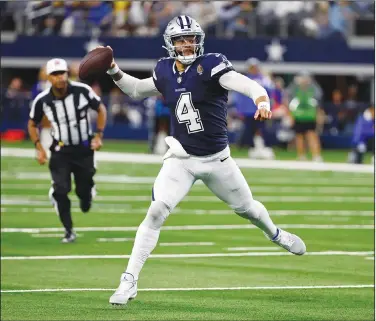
(219, 172)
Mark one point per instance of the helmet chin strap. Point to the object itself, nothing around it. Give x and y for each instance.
(187, 60)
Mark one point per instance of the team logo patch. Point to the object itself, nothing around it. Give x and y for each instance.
(200, 70)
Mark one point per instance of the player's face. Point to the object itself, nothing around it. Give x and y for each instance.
(254, 70)
(185, 45)
(58, 79)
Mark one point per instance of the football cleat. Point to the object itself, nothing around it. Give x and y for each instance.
(126, 291)
(289, 242)
(69, 237)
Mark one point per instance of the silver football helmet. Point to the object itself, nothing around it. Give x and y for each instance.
(179, 27)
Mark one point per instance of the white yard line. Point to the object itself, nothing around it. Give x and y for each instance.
(254, 248)
(370, 258)
(253, 181)
(51, 235)
(185, 228)
(294, 287)
(7, 199)
(181, 256)
(187, 244)
(242, 162)
(257, 188)
(178, 211)
(114, 239)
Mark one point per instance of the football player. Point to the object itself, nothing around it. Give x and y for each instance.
(195, 87)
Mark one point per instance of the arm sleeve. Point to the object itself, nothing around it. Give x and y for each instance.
(137, 88)
(233, 80)
(36, 111)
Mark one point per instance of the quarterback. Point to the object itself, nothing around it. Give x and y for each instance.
(195, 87)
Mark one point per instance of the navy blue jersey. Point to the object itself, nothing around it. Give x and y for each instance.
(197, 102)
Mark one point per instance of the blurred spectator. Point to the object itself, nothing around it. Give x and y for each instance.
(15, 100)
(161, 126)
(351, 102)
(304, 75)
(41, 84)
(321, 28)
(240, 24)
(120, 16)
(220, 18)
(281, 114)
(304, 108)
(340, 16)
(204, 11)
(99, 14)
(75, 22)
(84, 18)
(335, 114)
(160, 13)
(251, 134)
(73, 70)
(363, 139)
(138, 22)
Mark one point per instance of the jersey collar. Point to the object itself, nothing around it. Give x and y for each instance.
(174, 68)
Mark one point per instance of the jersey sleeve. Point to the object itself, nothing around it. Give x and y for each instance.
(158, 76)
(218, 65)
(94, 99)
(36, 111)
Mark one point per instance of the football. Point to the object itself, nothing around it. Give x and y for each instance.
(95, 63)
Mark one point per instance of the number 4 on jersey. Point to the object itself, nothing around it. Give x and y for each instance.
(188, 114)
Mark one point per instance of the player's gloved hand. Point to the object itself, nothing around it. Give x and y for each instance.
(96, 143)
(263, 114)
(41, 156)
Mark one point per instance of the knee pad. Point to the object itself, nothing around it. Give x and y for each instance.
(157, 214)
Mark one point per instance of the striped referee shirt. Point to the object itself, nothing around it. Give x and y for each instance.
(69, 116)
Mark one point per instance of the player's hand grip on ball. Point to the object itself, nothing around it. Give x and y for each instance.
(113, 63)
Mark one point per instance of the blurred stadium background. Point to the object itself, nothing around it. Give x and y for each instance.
(330, 42)
(324, 49)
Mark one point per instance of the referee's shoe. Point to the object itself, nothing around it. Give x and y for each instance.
(69, 237)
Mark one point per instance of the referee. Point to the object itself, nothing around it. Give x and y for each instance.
(66, 105)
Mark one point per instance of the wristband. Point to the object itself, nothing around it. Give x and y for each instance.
(114, 70)
(36, 142)
(264, 104)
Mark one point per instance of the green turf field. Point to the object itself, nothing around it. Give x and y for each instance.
(338, 156)
(210, 264)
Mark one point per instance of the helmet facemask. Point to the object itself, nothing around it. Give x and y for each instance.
(178, 45)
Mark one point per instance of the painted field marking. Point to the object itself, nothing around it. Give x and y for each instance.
(280, 180)
(202, 188)
(242, 162)
(41, 199)
(129, 210)
(52, 235)
(296, 287)
(185, 228)
(187, 244)
(254, 248)
(181, 256)
(115, 239)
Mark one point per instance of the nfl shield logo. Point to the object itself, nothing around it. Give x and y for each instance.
(200, 70)
(179, 80)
